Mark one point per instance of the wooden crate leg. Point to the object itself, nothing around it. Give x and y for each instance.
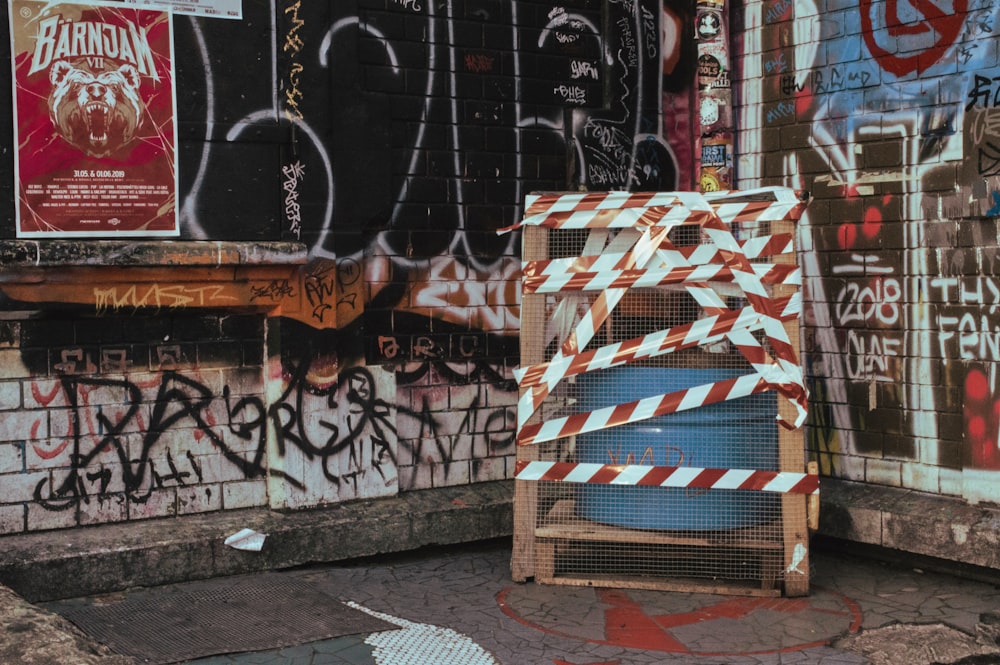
(522, 563)
(545, 561)
(796, 537)
(522, 566)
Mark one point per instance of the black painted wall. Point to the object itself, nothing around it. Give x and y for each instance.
(416, 117)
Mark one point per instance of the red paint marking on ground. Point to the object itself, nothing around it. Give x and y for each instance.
(735, 608)
(853, 610)
(626, 624)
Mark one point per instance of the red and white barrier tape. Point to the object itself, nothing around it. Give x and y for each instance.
(537, 381)
(653, 260)
(544, 205)
(784, 482)
(685, 255)
(649, 407)
(767, 273)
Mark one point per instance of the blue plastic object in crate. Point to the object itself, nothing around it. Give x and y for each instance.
(734, 434)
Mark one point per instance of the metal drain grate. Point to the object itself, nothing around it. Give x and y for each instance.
(179, 622)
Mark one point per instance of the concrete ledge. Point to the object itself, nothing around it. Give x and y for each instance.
(65, 564)
(944, 528)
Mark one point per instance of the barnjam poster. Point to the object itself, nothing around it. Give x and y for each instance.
(94, 117)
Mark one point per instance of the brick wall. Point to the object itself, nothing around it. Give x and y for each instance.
(391, 139)
(106, 420)
(887, 117)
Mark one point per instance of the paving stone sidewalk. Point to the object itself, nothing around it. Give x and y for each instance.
(458, 606)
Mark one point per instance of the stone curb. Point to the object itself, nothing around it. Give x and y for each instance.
(91, 560)
(944, 528)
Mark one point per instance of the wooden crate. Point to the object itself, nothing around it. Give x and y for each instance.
(564, 541)
(554, 544)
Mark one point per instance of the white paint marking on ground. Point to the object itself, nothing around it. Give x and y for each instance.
(421, 644)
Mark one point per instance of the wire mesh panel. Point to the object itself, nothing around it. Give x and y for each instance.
(661, 393)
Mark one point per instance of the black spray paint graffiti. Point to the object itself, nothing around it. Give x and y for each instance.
(358, 423)
(345, 141)
(356, 426)
(182, 402)
(179, 401)
(641, 140)
(478, 422)
(361, 426)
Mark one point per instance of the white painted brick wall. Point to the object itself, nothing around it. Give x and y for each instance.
(24, 425)
(10, 395)
(40, 519)
(244, 494)
(199, 499)
(158, 503)
(100, 510)
(11, 518)
(11, 458)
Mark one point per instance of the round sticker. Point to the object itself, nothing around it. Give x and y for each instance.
(709, 25)
(708, 70)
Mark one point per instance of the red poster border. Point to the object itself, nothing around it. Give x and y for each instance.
(94, 120)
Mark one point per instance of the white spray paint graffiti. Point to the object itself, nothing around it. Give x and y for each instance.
(422, 643)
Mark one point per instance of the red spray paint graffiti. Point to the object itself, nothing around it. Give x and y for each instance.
(982, 415)
(890, 36)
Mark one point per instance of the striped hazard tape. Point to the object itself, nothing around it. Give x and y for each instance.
(601, 208)
(685, 255)
(642, 255)
(764, 204)
(615, 279)
(538, 381)
(649, 407)
(783, 482)
(543, 205)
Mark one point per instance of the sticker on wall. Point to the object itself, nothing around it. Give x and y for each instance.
(94, 118)
(709, 69)
(715, 110)
(709, 24)
(715, 98)
(716, 164)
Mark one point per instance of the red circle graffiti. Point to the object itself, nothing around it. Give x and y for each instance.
(980, 413)
(976, 385)
(976, 427)
(946, 26)
(873, 222)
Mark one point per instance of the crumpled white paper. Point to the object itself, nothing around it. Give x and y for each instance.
(247, 540)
